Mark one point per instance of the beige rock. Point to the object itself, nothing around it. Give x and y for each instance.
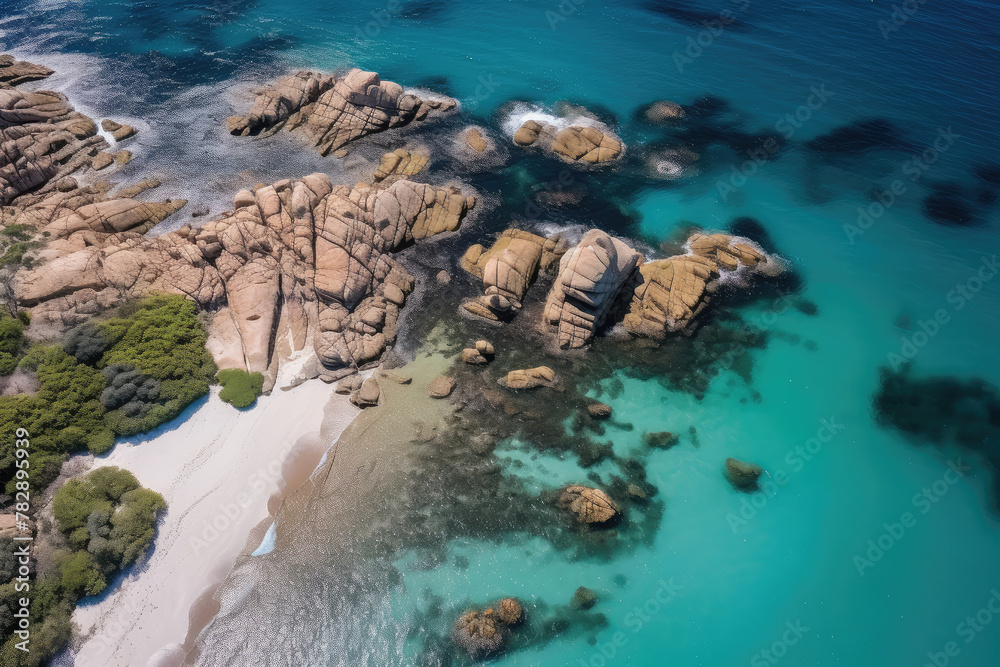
(368, 395)
(471, 355)
(664, 111)
(586, 144)
(395, 377)
(485, 348)
(333, 112)
(529, 378)
(101, 161)
(474, 138)
(440, 387)
(349, 385)
(528, 133)
(119, 131)
(591, 506)
(586, 292)
(599, 410)
(400, 162)
(14, 72)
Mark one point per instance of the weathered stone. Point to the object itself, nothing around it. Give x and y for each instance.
(474, 138)
(586, 292)
(333, 112)
(660, 439)
(471, 355)
(368, 395)
(591, 506)
(485, 348)
(14, 72)
(583, 598)
(742, 474)
(400, 162)
(349, 385)
(664, 111)
(119, 131)
(510, 611)
(395, 377)
(440, 387)
(599, 410)
(586, 144)
(480, 634)
(529, 378)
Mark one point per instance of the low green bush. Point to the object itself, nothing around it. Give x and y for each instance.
(240, 388)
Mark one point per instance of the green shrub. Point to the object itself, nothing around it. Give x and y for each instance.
(240, 388)
(80, 574)
(11, 343)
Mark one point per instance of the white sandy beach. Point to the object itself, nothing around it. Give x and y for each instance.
(216, 469)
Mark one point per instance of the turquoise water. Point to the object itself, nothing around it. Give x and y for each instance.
(739, 573)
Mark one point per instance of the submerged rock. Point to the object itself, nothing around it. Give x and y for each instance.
(510, 611)
(599, 410)
(664, 111)
(591, 506)
(661, 439)
(529, 378)
(332, 112)
(583, 598)
(742, 474)
(480, 634)
(441, 387)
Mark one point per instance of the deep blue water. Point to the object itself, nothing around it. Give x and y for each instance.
(178, 68)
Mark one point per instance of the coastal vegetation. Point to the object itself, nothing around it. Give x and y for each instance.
(117, 377)
(106, 522)
(239, 387)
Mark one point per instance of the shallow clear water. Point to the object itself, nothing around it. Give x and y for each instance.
(741, 572)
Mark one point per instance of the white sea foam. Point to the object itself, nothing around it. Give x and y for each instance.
(267, 544)
(521, 112)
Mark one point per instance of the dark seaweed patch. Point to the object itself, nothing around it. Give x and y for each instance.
(948, 204)
(860, 137)
(943, 411)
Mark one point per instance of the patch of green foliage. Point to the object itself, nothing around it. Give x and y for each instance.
(164, 341)
(240, 388)
(122, 376)
(11, 342)
(109, 522)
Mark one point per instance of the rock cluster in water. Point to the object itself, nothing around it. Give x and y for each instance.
(331, 112)
(485, 633)
(586, 144)
(590, 506)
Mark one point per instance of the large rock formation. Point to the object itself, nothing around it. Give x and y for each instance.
(301, 261)
(675, 290)
(586, 292)
(588, 144)
(14, 72)
(330, 111)
(508, 268)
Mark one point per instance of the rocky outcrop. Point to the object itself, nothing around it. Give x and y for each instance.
(590, 506)
(42, 140)
(300, 261)
(119, 131)
(508, 268)
(14, 72)
(583, 598)
(742, 474)
(400, 162)
(333, 111)
(482, 353)
(485, 633)
(673, 291)
(586, 292)
(587, 144)
(529, 378)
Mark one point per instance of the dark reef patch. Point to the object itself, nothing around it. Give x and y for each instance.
(943, 411)
(683, 12)
(861, 137)
(949, 204)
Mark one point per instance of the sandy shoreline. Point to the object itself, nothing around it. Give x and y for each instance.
(219, 470)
